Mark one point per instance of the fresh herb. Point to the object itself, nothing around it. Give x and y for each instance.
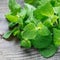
(37, 24)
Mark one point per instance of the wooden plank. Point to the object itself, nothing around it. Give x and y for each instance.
(11, 50)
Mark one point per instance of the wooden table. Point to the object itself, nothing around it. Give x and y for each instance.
(10, 50)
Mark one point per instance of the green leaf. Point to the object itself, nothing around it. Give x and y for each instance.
(14, 7)
(35, 3)
(41, 41)
(11, 18)
(56, 9)
(48, 23)
(26, 12)
(20, 22)
(42, 30)
(29, 31)
(44, 10)
(49, 51)
(12, 24)
(26, 43)
(16, 32)
(22, 14)
(38, 15)
(19, 35)
(54, 19)
(44, 1)
(30, 20)
(55, 3)
(29, 8)
(56, 36)
(7, 34)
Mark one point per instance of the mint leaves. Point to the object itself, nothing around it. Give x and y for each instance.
(37, 24)
(7, 35)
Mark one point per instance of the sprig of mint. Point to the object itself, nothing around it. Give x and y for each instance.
(37, 24)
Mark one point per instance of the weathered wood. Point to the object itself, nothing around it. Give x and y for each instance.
(10, 50)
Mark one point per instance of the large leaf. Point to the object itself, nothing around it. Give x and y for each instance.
(49, 51)
(56, 36)
(42, 41)
(29, 31)
(44, 10)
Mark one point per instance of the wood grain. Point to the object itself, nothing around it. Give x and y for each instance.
(11, 50)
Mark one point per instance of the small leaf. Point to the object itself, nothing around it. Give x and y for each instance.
(12, 24)
(11, 18)
(7, 35)
(16, 32)
(54, 19)
(55, 3)
(49, 51)
(29, 8)
(14, 7)
(26, 43)
(56, 9)
(22, 14)
(48, 23)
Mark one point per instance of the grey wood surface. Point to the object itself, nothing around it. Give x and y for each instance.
(10, 50)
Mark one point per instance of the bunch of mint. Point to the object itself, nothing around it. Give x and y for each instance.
(36, 25)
